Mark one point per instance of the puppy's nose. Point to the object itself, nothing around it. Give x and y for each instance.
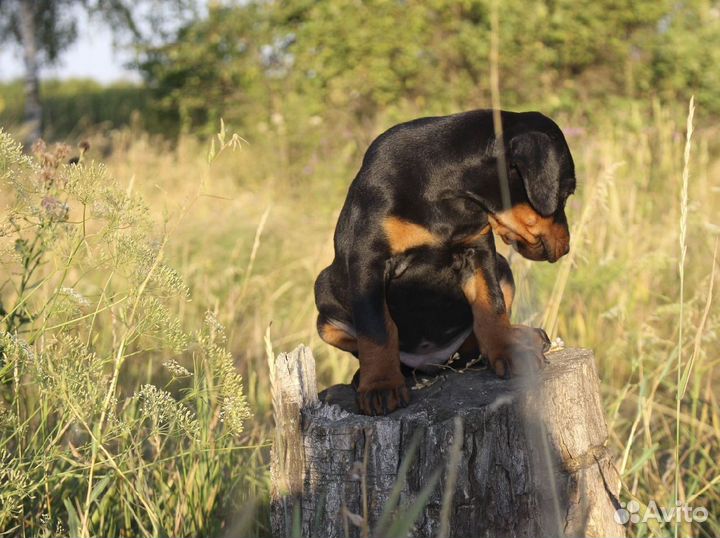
(554, 249)
(561, 248)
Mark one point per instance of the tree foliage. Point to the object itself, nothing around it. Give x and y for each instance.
(55, 21)
(201, 72)
(55, 26)
(362, 57)
(44, 28)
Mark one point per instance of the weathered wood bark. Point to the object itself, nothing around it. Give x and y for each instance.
(292, 378)
(532, 462)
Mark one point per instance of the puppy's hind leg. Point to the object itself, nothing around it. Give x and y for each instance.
(337, 334)
(332, 324)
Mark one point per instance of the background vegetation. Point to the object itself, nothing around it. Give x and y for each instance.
(118, 278)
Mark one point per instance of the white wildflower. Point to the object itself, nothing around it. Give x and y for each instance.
(234, 410)
(167, 411)
(15, 348)
(15, 485)
(76, 296)
(215, 329)
(176, 369)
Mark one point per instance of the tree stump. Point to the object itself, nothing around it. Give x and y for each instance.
(473, 455)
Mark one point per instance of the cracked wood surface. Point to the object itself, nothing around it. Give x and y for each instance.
(533, 461)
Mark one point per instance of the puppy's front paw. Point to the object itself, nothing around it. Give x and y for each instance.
(382, 401)
(530, 337)
(523, 352)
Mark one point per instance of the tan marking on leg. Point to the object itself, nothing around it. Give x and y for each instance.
(510, 349)
(382, 387)
(490, 328)
(335, 336)
(403, 235)
(477, 292)
(380, 362)
(508, 291)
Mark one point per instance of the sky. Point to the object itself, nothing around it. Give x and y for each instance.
(91, 56)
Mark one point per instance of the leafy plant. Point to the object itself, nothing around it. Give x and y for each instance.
(87, 297)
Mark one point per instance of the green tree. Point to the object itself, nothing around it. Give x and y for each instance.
(432, 56)
(206, 69)
(45, 28)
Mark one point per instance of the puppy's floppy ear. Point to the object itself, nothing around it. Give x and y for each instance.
(535, 155)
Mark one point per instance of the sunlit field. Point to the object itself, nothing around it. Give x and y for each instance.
(139, 284)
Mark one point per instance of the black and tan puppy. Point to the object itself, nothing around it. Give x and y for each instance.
(415, 276)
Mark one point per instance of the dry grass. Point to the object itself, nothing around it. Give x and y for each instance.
(618, 292)
(251, 231)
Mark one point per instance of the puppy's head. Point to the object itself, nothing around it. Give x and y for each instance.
(541, 176)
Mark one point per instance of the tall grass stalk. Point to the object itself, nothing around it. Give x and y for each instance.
(496, 105)
(701, 325)
(681, 320)
(253, 252)
(104, 440)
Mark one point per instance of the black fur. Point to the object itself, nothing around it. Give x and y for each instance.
(440, 173)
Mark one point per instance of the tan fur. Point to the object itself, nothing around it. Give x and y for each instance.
(335, 336)
(521, 221)
(491, 329)
(380, 372)
(474, 239)
(508, 292)
(403, 235)
(380, 362)
(477, 292)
